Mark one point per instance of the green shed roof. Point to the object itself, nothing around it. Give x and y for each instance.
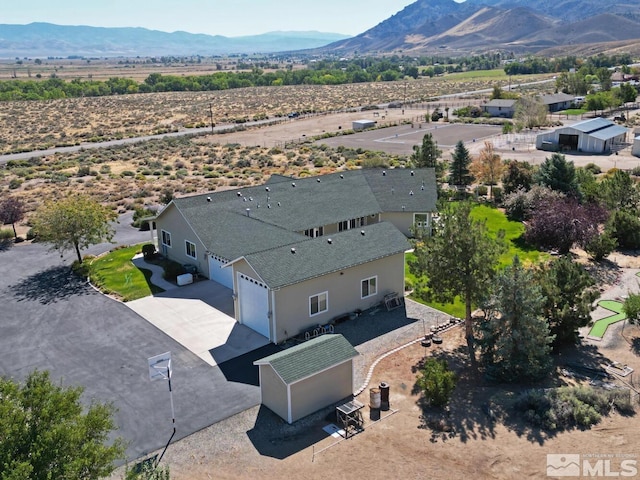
(309, 358)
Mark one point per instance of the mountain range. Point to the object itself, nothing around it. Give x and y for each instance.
(446, 27)
(425, 27)
(50, 40)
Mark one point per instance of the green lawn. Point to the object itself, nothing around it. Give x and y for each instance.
(573, 111)
(600, 326)
(498, 74)
(496, 221)
(115, 273)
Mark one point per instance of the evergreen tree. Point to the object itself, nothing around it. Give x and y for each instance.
(459, 259)
(569, 294)
(558, 174)
(427, 154)
(514, 338)
(459, 175)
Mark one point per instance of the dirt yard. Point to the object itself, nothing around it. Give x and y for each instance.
(402, 442)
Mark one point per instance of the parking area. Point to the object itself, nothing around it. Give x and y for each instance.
(400, 140)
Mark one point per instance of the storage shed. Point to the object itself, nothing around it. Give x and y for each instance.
(597, 135)
(308, 377)
(363, 124)
(635, 150)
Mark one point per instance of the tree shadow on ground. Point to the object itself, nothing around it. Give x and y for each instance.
(6, 244)
(50, 286)
(635, 346)
(478, 404)
(273, 437)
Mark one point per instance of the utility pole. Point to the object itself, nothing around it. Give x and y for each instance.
(211, 117)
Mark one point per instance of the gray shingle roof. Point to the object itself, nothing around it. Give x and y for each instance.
(278, 209)
(313, 356)
(501, 102)
(315, 257)
(556, 98)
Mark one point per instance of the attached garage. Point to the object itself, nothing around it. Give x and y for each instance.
(218, 274)
(253, 304)
(303, 379)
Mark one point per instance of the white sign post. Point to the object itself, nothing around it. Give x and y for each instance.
(160, 369)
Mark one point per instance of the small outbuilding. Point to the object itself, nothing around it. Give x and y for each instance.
(308, 377)
(635, 150)
(363, 124)
(597, 135)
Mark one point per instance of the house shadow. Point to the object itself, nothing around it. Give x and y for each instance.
(373, 323)
(273, 437)
(241, 368)
(50, 286)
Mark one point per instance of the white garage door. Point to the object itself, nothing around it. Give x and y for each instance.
(218, 274)
(253, 301)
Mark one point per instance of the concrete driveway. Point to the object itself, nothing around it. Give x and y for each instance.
(200, 317)
(51, 320)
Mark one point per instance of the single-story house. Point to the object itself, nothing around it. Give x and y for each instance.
(363, 124)
(301, 252)
(500, 107)
(597, 135)
(308, 377)
(557, 101)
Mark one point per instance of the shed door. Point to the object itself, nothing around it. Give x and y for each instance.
(253, 300)
(223, 276)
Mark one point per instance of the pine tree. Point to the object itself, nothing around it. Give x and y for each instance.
(459, 174)
(514, 338)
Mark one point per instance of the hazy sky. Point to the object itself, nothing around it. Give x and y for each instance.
(230, 18)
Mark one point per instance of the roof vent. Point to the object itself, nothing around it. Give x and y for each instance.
(412, 173)
(384, 172)
(393, 190)
(268, 205)
(244, 199)
(422, 187)
(251, 199)
(208, 199)
(341, 176)
(258, 205)
(362, 232)
(318, 180)
(403, 208)
(329, 241)
(278, 203)
(410, 192)
(293, 250)
(248, 212)
(239, 194)
(267, 189)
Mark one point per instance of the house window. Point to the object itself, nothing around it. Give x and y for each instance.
(166, 239)
(191, 249)
(342, 226)
(314, 232)
(318, 303)
(420, 220)
(369, 287)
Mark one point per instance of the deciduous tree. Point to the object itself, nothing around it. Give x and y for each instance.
(11, 212)
(514, 338)
(46, 435)
(73, 223)
(459, 259)
(517, 175)
(487, 166)
(530, 112)
(436, 381)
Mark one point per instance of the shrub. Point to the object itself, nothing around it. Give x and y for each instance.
(6, 234)
(600, 246)
(81, 269)
(593, 168)
(148, 250)
(624, 226)
(436, 381)
(172, 270)
(31, 234)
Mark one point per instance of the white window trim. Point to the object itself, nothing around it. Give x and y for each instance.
(162, 235)
(326, 294)
(368, 280)
(186, 249)
(426, 220)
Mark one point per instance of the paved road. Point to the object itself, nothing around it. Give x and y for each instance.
(52, 321)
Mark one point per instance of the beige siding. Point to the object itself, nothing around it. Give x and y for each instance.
(321, 390)
(274, 391)
(344, 292)
(172, 221)
(403, 221)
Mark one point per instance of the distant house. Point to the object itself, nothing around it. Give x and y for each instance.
(300, 252)
(557, 101)
(363, 124)
(308, 377)
(597, 135)
(499, 107)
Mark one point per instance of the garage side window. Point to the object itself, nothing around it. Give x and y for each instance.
(166, 238)
(191, 249)
(369, 287)
(318, 303)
